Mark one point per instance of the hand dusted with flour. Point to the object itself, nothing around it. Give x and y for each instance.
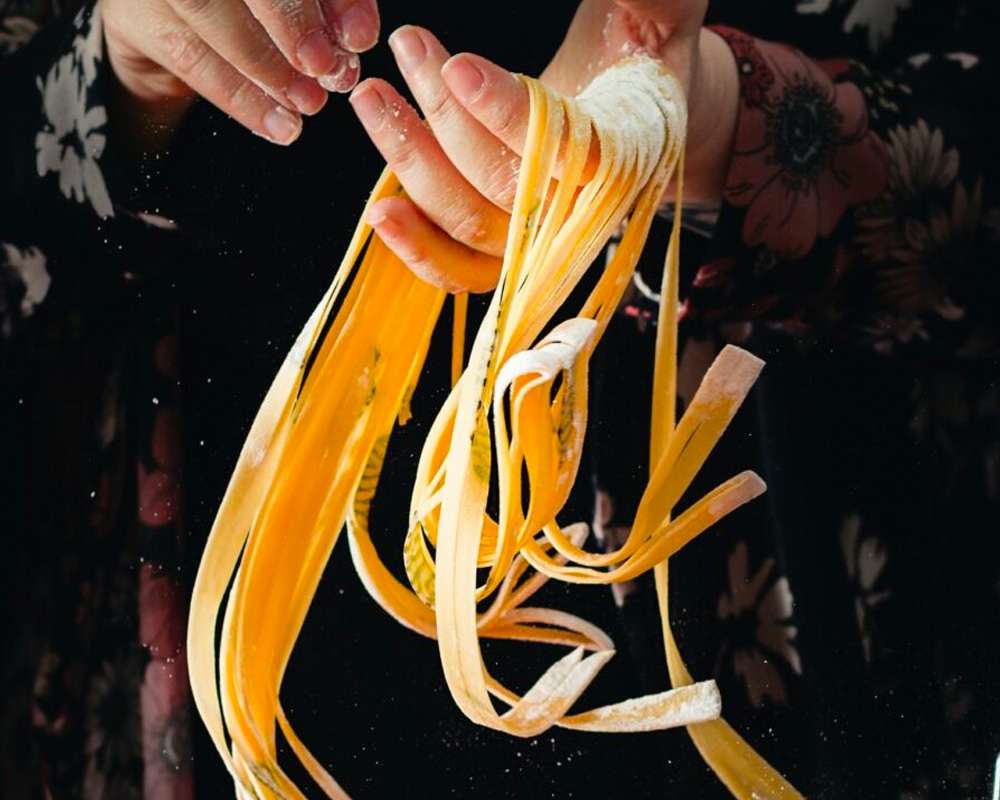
(316, 451)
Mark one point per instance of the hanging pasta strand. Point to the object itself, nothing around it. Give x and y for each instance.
(734, 761)
(313, 460)
(460, 311)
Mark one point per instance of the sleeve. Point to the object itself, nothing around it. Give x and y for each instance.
(858, 204)
(61, 185)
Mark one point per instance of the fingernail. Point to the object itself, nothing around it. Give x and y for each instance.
(369, 106)
(464, 78)
(358, 27)
(282, 125)
(408, 47)
(343, 78)
(306, 95)
(387, 228)
(317, 53)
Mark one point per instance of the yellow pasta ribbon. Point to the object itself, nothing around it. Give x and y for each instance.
(312, 461)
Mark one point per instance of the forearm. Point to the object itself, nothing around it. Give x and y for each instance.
(715, 85)
(64, 216)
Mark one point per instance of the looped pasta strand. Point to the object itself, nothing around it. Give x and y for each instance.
(313, 459)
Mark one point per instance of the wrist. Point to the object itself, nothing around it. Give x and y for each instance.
(145, 103)
(714, 112)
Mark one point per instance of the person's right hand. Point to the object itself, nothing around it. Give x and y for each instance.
(263, 62)
(460, 170)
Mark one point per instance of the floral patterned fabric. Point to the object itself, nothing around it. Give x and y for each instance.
(848, 615)
(96, 699)
(817, 154)
(855, 252)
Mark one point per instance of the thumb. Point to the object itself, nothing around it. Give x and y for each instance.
(668, 16)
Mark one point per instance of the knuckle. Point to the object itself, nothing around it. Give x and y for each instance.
(505, 120)
(191, 7)
(415, 256)
(438, 104)
(418, 259)
(242, 97)
(501, 185)
(184, 50)
(470, 228)
(403, 158)
(291, 12)
(272, 73)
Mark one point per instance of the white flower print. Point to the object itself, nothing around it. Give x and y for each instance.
(611, 537)
(922, 224)
(88, 49)
(26, 270)
(157, 221)
(866, 558)
(814, 6)
(877, 16)
(757, 611)
(15, 32)
(965, 60)
(886, 331)
(72, 141)
(919, 161)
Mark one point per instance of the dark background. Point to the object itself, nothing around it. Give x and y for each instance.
(365, 694)
(262, 232)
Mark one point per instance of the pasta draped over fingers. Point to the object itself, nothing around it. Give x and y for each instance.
(311, 464)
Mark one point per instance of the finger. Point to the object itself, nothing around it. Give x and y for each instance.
(229, 28)
(429, 177)
(500, 101)
(667, 19)
(355, 23)
(299, 29)
(345, 76)
(180, 51)
(481, 157)
(429, 252)
(491, 95)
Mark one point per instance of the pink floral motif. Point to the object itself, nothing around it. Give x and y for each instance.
(159, 492)
(756, 78)
(757, 610)
(162, 622)
(804, 152)
(166, 732)
(159, 497)
(165, 692)
(715, 274)
(165, 444)
(165, 355)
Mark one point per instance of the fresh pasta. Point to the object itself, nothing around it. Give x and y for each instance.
(310, 469)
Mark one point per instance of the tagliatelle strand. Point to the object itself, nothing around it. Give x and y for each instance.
(460, 309)
(743, 771)
(517, 412)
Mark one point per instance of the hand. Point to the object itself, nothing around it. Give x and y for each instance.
(460, 173)
(604, 31)
(263, 62)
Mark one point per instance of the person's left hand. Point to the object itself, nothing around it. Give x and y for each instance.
(264, 63)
